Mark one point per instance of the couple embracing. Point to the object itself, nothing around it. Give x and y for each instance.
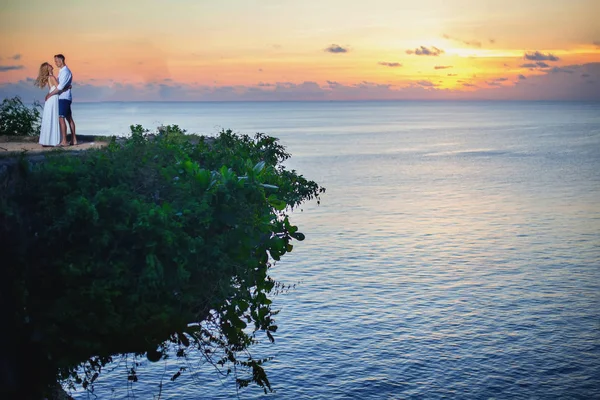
(57, 108)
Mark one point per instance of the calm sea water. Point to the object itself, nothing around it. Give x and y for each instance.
(456, 253)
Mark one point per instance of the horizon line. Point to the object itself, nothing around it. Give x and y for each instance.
(349, 101)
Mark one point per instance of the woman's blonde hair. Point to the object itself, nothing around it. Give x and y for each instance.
(42, 79)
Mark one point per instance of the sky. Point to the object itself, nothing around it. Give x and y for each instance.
(276, 50)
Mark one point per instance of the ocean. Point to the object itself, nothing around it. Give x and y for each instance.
(455, 254)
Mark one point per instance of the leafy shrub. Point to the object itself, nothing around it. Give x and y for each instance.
(16, 119)
(159, 241)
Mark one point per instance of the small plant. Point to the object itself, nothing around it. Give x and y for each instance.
(17, 119)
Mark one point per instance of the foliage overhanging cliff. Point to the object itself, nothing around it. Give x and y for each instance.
(155, 242)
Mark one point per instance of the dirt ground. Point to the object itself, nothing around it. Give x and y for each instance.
(35, 147)
(11, 145)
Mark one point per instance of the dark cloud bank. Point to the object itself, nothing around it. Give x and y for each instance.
(575, 82)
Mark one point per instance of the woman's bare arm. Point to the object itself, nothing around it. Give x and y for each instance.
(52, 81)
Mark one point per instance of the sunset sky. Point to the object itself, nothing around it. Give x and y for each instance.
(306, 50)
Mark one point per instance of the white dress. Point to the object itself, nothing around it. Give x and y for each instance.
(50, 129)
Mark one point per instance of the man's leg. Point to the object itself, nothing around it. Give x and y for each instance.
(71, 122)
(62, 111)
(63, 131)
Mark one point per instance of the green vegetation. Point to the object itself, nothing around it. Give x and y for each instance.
(18, 119)
(153, 243)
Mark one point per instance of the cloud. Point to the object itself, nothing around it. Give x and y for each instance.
(390, 64)
(536, 65)
(553, 86)
(469, 85)
(522, 77)
(496, 81)
(452, 74)
(492, 41)
(425, 51)
(334, 48)
(16, 57)
(442, 66)
(585, 75)
(537, 56)
(559, 69)
(426, 83)
(5, 68)
(596, 43)
(472, 43)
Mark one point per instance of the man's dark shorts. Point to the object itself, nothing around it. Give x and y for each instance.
(64, 108)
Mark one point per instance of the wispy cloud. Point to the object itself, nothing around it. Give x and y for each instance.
(390, 64)
(536, 65)
(334, 48)
(452, 75)
(426, 83)
(442, 66)
(6, 68)
(596, 43)
(538, 56)
(472, 43)
(469, 85)
(496, 82)
(16, 57)
(522, 77)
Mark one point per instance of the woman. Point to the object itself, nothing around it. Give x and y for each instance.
(50, 130)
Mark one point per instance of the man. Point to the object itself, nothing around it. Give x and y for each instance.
(63, 91)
